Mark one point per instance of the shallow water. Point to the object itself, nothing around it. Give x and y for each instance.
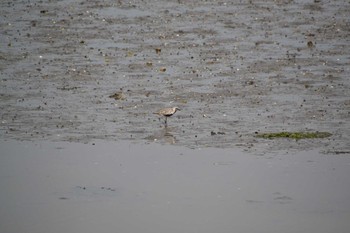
(123, 187)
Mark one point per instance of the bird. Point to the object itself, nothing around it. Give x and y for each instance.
(167, 112)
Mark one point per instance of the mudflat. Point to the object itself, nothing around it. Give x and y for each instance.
(239, 68)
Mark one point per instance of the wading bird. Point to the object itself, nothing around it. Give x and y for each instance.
(167, 112)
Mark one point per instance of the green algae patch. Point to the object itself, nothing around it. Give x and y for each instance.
(295, 135)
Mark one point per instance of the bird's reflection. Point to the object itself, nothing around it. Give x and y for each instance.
(164, 135)
(168, 136)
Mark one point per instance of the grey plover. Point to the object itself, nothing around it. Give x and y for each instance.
(167, 112)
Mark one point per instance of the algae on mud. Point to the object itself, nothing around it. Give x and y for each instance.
(295, 135)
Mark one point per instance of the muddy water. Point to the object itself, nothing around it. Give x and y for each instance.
(59, 187)
(237, 68)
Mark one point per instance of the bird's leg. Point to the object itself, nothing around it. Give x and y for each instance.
(166, 121)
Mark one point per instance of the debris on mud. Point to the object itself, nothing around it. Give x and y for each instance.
(67, 88)
(310, 44)
(118, 96)
(158, 50)
(212, 133)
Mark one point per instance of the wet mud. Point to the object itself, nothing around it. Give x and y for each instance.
(236, 69)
